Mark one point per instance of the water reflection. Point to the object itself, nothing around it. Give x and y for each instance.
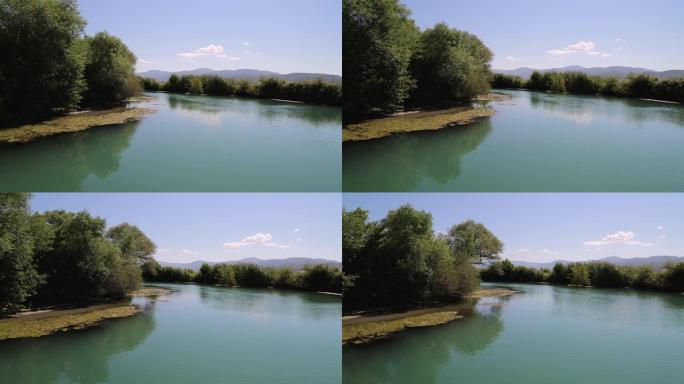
(430, 349)
(63, 162)
(79, 356)
(435, 156)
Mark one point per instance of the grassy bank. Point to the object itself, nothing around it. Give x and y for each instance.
(43, 322)
(74, 122)
(371, 326)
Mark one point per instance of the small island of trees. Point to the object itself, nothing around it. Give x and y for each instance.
(49, 66)
(389, 64)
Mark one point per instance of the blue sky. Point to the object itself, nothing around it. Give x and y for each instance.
(550, 34)
(546, 227)
(217, 227)
(275, 35)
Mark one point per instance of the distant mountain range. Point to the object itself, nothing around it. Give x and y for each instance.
(620, 72)
(654, 261)
(242, 74)
(296, 263)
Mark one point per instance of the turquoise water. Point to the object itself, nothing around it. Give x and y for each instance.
(534, 142)
(544, 335)
(192, 143)
(195, 335)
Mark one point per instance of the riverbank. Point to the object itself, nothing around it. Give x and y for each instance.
(371, 326)
(43, 322)
(420, 120)
(73, 122)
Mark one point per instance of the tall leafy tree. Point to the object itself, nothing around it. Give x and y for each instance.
(132, 242)
(450, 66)
(378, 41)
(109, 70)
(18, 277)
(473, 242)
(42, 58)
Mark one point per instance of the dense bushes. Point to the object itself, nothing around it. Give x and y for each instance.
(60, 257)
(314, 91)
(312, 278)
(400, 261)
(635, 86)
(47, 66)
(598, 274)
(388, 62)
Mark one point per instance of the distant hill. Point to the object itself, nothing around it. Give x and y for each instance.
(295, 263)
(242, 74)
(620, 72)
(655, 261)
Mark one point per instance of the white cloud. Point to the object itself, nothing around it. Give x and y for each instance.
(661, 237)
(586, 47)
(163, 250)
(257, 239)
(606, 55)
(245, 43)
(143, 61)
(215, 50)
(661, 227)
(297, 229)
(618, 40)
(189, 252)
(619, 49)
(513, 59)
(299, 239)
(522, 250)
(619, 237)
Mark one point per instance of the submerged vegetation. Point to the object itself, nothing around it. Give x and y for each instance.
(315, 278)
(400, 262)
(634, 86)
(670, 278)
(389, 64)
(49, 66)
(314, 91)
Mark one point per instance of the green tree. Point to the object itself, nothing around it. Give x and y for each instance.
(109, 71)
(473, 242)
(450, 66)
(18, 277)
(132, 242)
(196, 86)
(378, 40)
(42, 59)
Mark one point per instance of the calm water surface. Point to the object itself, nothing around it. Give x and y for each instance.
(535, 142)
(544, 335)
(192, 143)
(195, 335)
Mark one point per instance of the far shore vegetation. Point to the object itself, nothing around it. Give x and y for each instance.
(312, 91)
(639, 86)
(50, 67)
(669, 278)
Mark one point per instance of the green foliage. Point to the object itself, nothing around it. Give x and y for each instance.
(132, 242)
(378, 41)
(60, 257)
(312, 91)
(18, 276)
(41, 66)
(449, 66)
(505, 271)
(151, 84)
(399, 261)
(474, 243)
(322, 278)
(507, 81)
(109, 71)
(598, 274)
